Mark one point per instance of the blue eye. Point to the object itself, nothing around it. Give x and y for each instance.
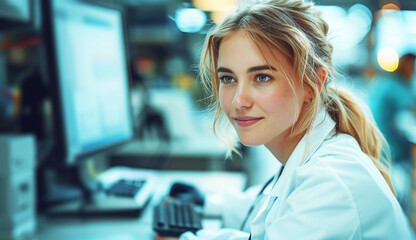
(263, 78)
(227, 79)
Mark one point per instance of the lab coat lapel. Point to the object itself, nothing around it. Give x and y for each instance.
(322, 127)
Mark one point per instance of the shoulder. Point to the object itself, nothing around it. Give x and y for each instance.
(341, 165)
(334, 173)
(342, 156)
(341, 176)
(336, 166)
(316, 191)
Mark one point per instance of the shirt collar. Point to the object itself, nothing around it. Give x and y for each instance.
(321, 128)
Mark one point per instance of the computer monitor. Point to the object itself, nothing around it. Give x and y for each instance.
(90, 74)
(16, 15)
(89, 83)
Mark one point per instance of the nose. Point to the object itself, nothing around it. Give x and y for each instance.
(242, 96)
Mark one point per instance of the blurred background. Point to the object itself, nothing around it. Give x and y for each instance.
(159, 52)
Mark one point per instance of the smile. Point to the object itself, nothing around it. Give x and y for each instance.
(246, 121)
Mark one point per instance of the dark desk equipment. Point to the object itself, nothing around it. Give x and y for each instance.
(187, 192)
(173, 217)
(125, 192)
(140, 227)
(126, 187)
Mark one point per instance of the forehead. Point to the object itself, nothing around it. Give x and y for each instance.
(238, 49)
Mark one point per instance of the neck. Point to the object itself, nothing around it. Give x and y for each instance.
(282, 147)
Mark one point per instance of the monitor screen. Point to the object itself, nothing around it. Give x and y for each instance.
(91, 75)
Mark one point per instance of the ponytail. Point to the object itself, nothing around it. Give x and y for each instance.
(350, 118)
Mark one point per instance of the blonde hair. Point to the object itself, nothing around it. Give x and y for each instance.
(296, 29)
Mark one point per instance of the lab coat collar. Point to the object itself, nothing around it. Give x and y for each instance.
(322, 127)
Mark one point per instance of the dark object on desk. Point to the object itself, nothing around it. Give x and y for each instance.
(173, 217)
(187, 192)
(126, 187)
(123, 198)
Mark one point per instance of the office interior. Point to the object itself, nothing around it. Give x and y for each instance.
(128, 98)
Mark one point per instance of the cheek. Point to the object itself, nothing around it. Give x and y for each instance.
(276, 101)
(281, 106)
(226, 99)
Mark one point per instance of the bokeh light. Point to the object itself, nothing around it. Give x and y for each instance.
(346, 30)
(213, 5)
(190, 19)
(218, 16)
(391, 6)
(388, 59)
(218, 8)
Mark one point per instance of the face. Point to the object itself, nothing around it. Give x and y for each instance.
(256, 97)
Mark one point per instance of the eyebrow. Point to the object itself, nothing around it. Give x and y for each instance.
(252, 69)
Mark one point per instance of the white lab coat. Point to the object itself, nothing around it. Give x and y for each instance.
(329, 189)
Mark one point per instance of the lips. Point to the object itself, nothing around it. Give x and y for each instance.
(246, 121)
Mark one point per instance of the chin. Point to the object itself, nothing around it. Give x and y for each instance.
(250, 142)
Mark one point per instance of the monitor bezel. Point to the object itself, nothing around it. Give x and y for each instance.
(60, 153)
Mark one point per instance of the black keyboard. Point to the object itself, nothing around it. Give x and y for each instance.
(173, 217)
(126, 187)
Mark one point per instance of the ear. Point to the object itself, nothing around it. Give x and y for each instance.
(323, 74)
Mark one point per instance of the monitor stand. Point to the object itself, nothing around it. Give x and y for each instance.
(56, 186)
(75, 192)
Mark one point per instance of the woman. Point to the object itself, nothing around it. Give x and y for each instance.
(269, 68)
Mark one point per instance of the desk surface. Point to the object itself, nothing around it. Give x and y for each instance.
(140, 228)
